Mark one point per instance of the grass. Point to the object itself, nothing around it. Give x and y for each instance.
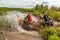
(4, 24)
(54, 15)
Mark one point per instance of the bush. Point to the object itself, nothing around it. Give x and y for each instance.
(45, 33)
(58, 30)
(53, 15)
(53, 37)
(51, 31)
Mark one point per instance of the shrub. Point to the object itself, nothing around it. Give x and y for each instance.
(53, 15)
(45, 33)
(53, 37)
(58, 30)
(51, 31)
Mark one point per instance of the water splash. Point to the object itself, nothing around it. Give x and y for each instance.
(12, 16)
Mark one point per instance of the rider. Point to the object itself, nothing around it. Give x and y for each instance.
(29, 18)
(46, 19)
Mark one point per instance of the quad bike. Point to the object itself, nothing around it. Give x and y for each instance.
(28, 26)
(50, 23)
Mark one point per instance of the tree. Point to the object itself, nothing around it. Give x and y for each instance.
(53, 8)
(36, 7)
(58, 8)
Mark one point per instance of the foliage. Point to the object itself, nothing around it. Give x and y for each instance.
(58, 30)
(4, 22)
(53, 8)
(53, 15)
(41, 8)
(53, 37)
(48, 32)
(51, 31)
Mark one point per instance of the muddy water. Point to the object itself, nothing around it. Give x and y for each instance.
(13, 16)
(19, 36)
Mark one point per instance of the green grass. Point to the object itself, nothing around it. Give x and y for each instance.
(4, 23)
(54, 15)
